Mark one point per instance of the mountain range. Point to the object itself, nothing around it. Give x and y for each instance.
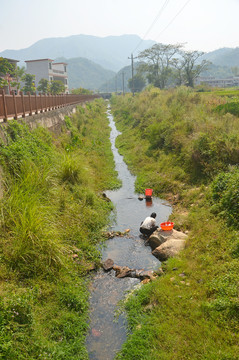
(110, 52)
(85, 73)
(97, 63)
(223, 57)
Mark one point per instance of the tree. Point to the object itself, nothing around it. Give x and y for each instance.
(6, 67)
(235, 70)
(191, 69)
(18, 74)
(139, 83)
(43, 86)
(6, 70)
(81, 90)
(157, 62)
(178, 73)
(29, 80)
(57, 87)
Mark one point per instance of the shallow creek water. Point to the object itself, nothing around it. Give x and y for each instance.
(107, 334)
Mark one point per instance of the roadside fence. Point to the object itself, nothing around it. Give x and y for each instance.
(16, 106)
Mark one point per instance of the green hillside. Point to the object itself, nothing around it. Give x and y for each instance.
(224, 57)
(85, 73)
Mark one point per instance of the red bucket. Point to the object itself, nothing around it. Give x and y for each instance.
(166, 226)
(148, 192)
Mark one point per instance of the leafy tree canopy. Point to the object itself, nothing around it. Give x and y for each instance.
(166, 65)
(29, 80)
(138, 84)
(81, 91)
(43, 86)
(57, 87)
(6, 67)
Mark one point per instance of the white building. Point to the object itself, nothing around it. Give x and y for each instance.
(47, 69)
(222, 83)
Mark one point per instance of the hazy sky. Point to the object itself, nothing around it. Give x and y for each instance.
(204, 25)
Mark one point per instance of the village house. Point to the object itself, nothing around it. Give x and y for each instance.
(47, 69)
(221, 83)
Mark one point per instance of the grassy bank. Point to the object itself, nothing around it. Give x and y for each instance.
(52, 214)
(185, 145)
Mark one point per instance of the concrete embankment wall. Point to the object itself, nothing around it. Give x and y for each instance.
(51, 120)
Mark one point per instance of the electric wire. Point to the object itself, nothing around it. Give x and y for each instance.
(153, 23)
(178, 13)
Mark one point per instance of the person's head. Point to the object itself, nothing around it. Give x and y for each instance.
(153, 215)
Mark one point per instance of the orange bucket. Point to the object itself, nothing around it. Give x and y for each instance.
(148, 192)
(168, 225)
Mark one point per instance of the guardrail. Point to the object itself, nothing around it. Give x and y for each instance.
(15, 106)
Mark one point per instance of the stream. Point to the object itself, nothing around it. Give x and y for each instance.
(108, 333)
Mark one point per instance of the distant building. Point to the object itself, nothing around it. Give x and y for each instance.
(47, 69)
(213, 82)
(9, 78)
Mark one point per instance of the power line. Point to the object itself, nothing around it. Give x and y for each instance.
(154, 21)
(179, 12)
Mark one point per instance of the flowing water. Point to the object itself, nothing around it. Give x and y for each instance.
(107, 334)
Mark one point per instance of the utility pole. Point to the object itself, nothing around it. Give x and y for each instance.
(132, 69)
(123, 81)
(116, 84)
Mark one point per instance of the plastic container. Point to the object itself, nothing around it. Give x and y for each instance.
(166, 226)
(148, 193)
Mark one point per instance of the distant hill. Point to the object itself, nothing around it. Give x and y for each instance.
(120, 80)
(223, 57)
(85, 73)
(110, 52)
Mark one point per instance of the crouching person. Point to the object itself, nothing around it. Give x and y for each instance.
(148, 226)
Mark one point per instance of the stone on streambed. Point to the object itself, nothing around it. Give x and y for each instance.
(125, 271)
(169, 249)
(170, 243)
(108, 264)
(106, 197)
(142, 274)
(160, 236)
(112, 234)
(122, 271)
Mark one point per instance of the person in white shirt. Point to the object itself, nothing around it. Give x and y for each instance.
(148, 226)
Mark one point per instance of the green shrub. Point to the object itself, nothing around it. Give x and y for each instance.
(225, 193)
(72, 171)
(231, 107)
